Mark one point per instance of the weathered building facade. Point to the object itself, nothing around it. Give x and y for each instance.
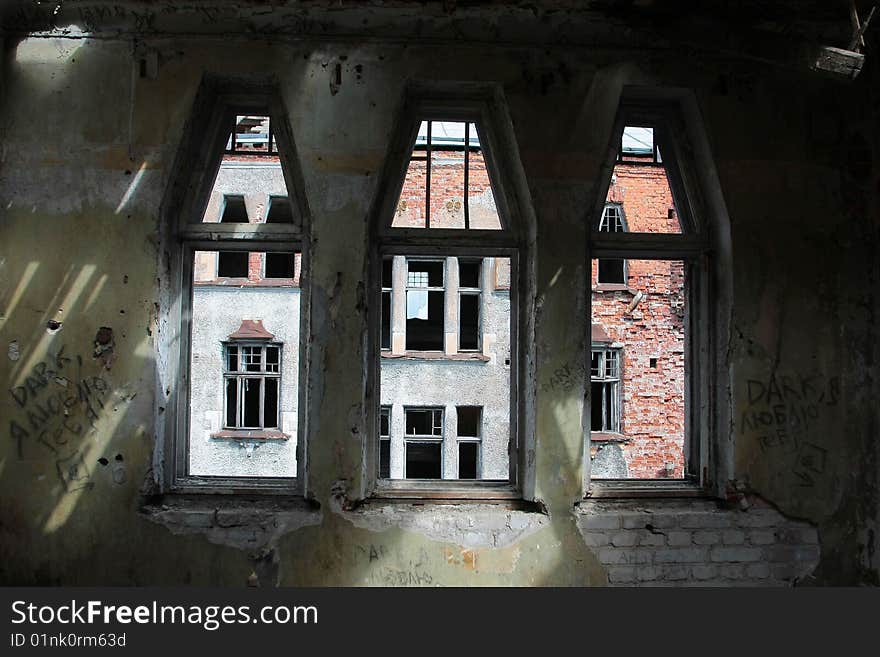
(778, 167)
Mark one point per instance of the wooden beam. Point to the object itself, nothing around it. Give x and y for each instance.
(838, 62)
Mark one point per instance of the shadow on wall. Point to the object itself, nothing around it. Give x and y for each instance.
(69, 406)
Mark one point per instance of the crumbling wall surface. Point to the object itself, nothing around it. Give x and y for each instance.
(86, 159)
(698, 543)
(802, 375)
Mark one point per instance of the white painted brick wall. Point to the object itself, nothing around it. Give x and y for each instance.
(697, 543)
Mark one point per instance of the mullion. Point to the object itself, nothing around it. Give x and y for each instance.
(428, 178)
(263, 388)
(467, 149)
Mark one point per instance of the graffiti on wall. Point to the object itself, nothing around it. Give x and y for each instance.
(56, 405)
(565, 378)
(388, 568)
(783, 414)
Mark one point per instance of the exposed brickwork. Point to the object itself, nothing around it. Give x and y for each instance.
(447, 192)
(697, 543)
(647, 327)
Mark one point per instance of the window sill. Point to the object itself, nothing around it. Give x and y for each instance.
(437, 355)
(608, 437)
(247, 521)
(260, 435)
(439, 489)
(246, 282)
(660, 488)
(613, 287)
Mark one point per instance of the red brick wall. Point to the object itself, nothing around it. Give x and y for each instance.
(652, 407)
(447, 192)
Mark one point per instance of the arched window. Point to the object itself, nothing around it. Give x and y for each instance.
(237, 224)
(612, 270)
(448, 251)
(652, 272)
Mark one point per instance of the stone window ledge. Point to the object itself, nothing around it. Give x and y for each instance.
(246, 282)
(261, 435)
(608, 437)
(646, 488)
(613, 287)
(437, 355)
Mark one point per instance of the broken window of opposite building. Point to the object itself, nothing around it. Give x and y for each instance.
(242, 308)
(611, 270)
(447, 281)
(641, 373)
(447, 347)
(605, 390)
(251, 381)
(469, 423)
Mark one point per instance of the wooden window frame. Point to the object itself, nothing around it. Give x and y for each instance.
(217, 103)
(678, 139)
(484, 105)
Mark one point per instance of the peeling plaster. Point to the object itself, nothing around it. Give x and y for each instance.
(255, 526)
(468, 525)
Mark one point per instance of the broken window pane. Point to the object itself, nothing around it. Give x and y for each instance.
(232, 264)
(469, 418)
(425, 312)
(446, 180)
(251, 410)
(469, 322)
(423, 457)
(270, 403)
(467, 460)
(630, 395)
(243, 396)
(234, 210)
(611, 270)
(423, 460)
(232, 402)
(280, 265)
(639, 187)
(279, 211)
(469, 273)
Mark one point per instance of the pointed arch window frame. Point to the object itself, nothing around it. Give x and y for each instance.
(217, 103)
(477, 104)
(681, 141)
(483, 105)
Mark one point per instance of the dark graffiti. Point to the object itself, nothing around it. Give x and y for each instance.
(56, 405)
(782, 411)
(372, 553)
(73, 473)
(565, 378)
(395, 577)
